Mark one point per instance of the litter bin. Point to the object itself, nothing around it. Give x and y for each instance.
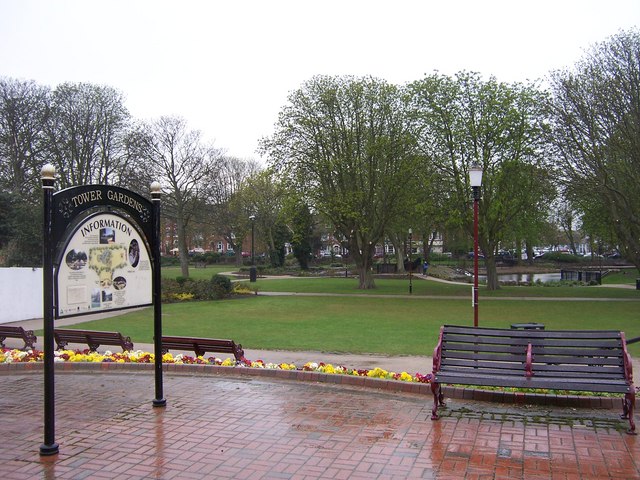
(253, 274)
(637, 283)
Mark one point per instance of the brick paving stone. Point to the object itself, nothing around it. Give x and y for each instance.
(236, 427)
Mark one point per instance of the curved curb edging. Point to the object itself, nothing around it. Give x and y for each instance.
(518, 398)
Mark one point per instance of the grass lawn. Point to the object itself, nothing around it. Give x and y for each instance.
(392, 326)
(425, 287)
(627, 276)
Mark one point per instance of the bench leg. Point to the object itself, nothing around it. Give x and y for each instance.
(438, 400)
(628, 408)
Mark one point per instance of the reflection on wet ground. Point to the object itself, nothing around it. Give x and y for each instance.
(232, 427)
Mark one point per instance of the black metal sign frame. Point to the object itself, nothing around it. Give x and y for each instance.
(64, 211)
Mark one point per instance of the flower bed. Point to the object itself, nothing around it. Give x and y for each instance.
(19, 356)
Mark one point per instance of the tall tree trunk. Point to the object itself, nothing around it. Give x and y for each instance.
(365, 274)
(492, 274)
(399, 259)
(530, 254)
(364, 262)
(182, 242)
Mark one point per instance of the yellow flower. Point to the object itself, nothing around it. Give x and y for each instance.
(377, 373)
(328, 368)
(167, 358)
(228, 363)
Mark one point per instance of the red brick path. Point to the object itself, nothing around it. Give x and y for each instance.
(255, 428)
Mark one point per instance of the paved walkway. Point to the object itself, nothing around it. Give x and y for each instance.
(242, 427)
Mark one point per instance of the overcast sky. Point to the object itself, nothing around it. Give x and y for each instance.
(228, 66)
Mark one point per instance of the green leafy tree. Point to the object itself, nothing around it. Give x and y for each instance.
(596, 130)
(344, 145)
(301, 224)
(263, 195)
(464, 120)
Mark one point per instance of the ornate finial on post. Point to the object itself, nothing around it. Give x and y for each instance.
(48, 175)
(156, 191)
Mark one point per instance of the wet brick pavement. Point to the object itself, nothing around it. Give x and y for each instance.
(242, 427)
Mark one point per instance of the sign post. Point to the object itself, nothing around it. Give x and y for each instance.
(101, 251)
(159, 401)
(49, 447)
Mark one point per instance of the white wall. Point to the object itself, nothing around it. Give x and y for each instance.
(20, 294)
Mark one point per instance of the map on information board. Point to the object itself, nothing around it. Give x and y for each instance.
(105, 266)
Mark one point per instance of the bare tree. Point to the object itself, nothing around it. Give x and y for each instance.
(85, 132)
(183, 165)
(23, 114)
(596, 130)
(228, 214)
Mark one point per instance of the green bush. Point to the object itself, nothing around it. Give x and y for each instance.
(221, 286)
(169, 261)
(212, 257)
(183, 289)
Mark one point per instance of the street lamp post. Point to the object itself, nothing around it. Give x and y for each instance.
(410, 265)
(252, 270)
(475, 179)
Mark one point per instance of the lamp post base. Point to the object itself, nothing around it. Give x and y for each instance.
(47, 450)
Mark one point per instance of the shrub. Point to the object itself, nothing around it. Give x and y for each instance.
(169, 261)
(212, 257)
(221, 286)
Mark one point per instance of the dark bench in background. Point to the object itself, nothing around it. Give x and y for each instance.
(27, 336)
(590, 361)
(92, 338)
(202, 345)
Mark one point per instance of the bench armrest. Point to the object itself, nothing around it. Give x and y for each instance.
(528, 366)
(437, 353)
(628, 364)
